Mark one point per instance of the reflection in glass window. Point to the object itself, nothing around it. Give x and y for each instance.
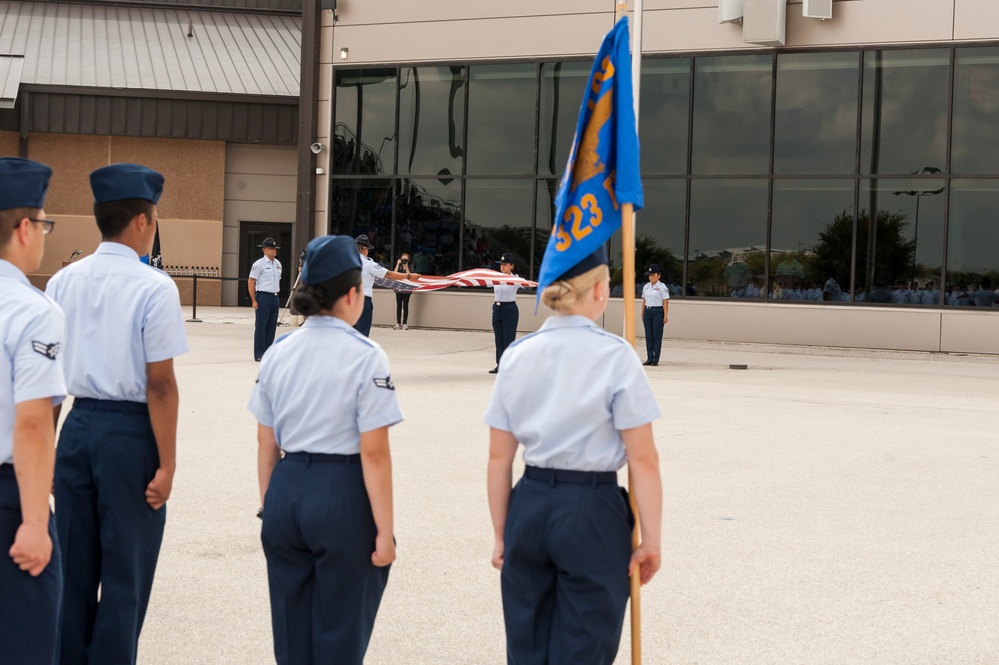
(545, 220)
(658, 236)
(428, 214)
(728, 226)
(501, 107)
(662, 118)
(732, 114)
(905, 110)
(431, 120)
(364, 126)
(562, 88)
(816, 118)
(364, 206)
(900, 263)
(975, 147)
(811, 241)
(973, 243)
(500, 214)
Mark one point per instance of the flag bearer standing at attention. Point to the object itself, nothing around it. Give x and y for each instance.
(325, 399)
(116, 456)
(32, 331)
(563, 535)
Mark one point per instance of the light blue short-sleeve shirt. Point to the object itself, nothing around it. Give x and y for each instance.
(120, 315)
(323, 385)
(369, 270)
(656, 294)
(32, 335)
(566, 391)
(267, 273)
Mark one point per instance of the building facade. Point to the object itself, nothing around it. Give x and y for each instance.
(766, 145)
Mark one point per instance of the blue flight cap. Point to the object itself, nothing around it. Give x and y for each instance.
(126, 181)
(327, 257)
(23, 183)
(597, 258)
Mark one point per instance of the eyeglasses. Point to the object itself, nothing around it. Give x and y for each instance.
(47, 224)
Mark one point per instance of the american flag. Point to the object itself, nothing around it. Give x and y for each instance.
(476, 277)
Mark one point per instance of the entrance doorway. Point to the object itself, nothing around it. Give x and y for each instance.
(251, 234)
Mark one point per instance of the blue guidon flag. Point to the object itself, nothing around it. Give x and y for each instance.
(602, 173)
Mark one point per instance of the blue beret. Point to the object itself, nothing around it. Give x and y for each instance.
(597, 258)
(126, 181)
(23, 183)
(327, 257)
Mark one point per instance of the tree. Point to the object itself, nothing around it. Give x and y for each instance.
(893, 254)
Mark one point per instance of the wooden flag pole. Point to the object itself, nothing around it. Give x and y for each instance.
(628, 285)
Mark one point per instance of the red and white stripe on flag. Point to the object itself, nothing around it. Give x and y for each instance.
(476, 277)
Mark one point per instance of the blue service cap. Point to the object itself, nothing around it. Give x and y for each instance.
(23, 183)
(126, 181)
(597, 258)
(506, 257)
(327, 257)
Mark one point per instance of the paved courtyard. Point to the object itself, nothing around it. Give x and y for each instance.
(823, 506)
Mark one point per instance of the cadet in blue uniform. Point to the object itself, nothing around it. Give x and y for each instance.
(324, 398)
(32, 331)
(116, 456)
(506, 315)
(370, 270)
(264, 285)
(563, 535)
(654, 314)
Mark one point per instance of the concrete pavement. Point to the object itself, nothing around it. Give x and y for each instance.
(823, 506)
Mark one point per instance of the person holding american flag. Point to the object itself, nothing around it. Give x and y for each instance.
(506, 315)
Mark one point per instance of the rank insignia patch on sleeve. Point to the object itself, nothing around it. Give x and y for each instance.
(385, 383)
(50, 351)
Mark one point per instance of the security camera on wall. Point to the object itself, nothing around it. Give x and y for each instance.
(316, 148)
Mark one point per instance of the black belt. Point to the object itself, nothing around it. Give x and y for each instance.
(659, 307)
(7, 471)
(557, 476)
(323, 457)
(118, 406)
(270, 293)
(506, 302)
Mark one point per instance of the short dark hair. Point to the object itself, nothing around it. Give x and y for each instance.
(114, 217)
(309, 299)
(8, 219)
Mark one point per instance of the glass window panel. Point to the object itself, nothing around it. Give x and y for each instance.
(975, 147)
(658, 236)
(732, 114)
(501, 107)
(907, 246)
(364, 126)
(973, 242)
(431, 120)
(364, 206)
(663, 115)
(501, 213)
(816, 118)
(562, 88)
(728, 221)
(811, 239)
(545, 220)
(428, 224)
(905, 110)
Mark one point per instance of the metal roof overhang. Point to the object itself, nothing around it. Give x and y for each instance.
(11, 67)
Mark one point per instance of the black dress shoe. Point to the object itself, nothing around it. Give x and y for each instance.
(647, 362)
(653, 364)
(494, 370)
(256, 360)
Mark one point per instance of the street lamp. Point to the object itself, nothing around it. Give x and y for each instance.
(926, 170)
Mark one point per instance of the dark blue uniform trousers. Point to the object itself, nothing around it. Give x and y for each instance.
(318, 535)
(363, 324)
(652, 318)
(565, 572)
(506, 315)
(29, 606)
(265, 323)
(110, 537)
